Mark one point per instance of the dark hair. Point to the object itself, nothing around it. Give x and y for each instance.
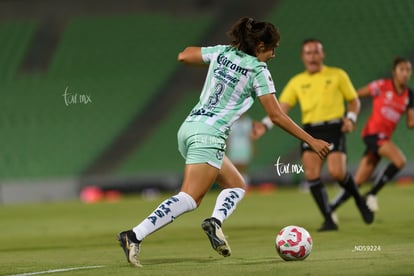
(247, 33)
(308, 40)
(399, 60)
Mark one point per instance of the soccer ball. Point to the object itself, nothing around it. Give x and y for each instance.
(293, 243)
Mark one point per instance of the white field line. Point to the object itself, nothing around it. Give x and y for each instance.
(58, 270)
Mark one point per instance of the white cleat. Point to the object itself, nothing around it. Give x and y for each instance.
(334, 217)
(372, 203)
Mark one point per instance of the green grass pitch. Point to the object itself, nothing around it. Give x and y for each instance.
(56, 237)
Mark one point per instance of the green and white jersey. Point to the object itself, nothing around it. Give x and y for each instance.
(233, 82)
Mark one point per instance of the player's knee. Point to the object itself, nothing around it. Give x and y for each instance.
(337, 173)
(400, 163)
(312, 174)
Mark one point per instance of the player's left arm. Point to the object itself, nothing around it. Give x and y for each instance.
(191, 56)
(288, 99)
(410, 117)
(410, 110)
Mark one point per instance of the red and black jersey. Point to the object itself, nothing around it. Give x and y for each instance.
(387, 108)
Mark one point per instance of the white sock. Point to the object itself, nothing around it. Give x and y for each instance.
(165, 213)
(226, 203)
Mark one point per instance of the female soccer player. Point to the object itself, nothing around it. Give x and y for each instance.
(237, 74)
(391, 98)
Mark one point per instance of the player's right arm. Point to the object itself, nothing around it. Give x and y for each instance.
(364, 91)
(280, 118)
(191, 56)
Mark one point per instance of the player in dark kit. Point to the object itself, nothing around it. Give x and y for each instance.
(391, 98)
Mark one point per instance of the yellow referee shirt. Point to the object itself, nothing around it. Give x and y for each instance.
(321, 95)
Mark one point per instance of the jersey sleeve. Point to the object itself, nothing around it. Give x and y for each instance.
(263, 83)
(375, 87)
(346, 86)
(289, 94)
(210, 53)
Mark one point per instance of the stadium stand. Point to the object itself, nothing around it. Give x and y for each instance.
(113, 61)
(14, 36)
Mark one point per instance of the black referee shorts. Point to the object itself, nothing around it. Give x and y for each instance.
(329, 131)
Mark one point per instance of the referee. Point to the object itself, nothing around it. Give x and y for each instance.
(322, 92)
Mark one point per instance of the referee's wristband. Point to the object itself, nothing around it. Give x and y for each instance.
(267, 123)
(352, 116)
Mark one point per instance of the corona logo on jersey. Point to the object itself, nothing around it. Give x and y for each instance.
(222, 60)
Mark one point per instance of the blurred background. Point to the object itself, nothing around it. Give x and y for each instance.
(92, 94)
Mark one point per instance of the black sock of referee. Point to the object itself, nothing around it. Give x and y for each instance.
(321, 198)
(386, 176)
(349, 185)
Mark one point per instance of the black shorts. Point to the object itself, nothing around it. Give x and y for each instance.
(328, 131)
(372, 144)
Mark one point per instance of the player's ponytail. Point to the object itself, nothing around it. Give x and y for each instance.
(247, 33)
